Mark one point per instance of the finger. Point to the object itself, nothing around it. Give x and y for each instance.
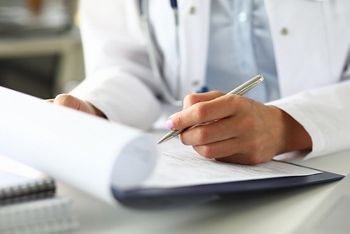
(220, 149)
(200, 97)
(68, 101)
(202, 112)
(214, 132)
(77, 104)
(50, 100)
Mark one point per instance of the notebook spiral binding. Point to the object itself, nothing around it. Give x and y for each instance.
(26, 192)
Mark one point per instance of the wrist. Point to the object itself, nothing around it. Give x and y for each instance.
(292, 135)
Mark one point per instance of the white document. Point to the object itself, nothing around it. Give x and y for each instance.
(180, 165)
(84, 151)
(93, 154)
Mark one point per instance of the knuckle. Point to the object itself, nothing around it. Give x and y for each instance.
(182, 138)
(178, 121)
(207, 151)
(254, 145)
(232, 99)
(237, 101)
(254, 159)
(190, 99)
(202, 135)
(200, 112)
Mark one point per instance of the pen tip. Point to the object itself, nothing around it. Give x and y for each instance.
(161, 140)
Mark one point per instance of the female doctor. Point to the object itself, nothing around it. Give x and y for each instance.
(142, 55)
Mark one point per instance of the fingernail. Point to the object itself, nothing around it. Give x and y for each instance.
(169, 124)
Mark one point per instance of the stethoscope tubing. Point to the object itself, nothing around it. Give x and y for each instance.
(152, 49)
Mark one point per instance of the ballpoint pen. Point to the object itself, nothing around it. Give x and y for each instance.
(240, 90)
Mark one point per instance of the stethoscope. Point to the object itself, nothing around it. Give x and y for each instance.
(154, 53)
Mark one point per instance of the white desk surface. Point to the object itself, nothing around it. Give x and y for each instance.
(278, 212)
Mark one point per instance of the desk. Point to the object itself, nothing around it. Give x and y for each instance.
(279, 212)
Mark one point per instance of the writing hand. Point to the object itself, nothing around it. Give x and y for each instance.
(241, 130)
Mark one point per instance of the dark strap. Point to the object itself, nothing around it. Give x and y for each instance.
(346, 69)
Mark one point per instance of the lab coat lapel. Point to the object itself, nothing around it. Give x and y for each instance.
(194, 31)
(300, 44)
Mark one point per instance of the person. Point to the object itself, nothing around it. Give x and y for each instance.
(301, 47)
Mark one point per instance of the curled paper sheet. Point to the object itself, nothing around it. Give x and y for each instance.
(84, 151)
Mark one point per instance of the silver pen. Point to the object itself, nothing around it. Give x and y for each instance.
(240, 90)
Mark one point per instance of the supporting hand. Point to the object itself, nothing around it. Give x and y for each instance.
(76, 104)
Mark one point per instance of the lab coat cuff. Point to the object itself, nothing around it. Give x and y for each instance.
(89, 91)
(290, 106)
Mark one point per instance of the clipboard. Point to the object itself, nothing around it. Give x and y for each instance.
(153, 198)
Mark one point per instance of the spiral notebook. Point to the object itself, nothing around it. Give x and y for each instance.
(20, 183)
(44, 216)
(28, 204)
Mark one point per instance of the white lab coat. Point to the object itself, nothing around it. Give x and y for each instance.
(311, 43)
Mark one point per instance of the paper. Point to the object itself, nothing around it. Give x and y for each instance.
(84, 151)
(180, 165)
(92, 154)
(14, 174)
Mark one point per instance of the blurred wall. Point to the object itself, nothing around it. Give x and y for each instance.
(40, 47)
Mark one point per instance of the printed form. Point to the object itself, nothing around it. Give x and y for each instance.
(180, 166)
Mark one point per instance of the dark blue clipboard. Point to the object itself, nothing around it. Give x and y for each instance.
(145, 198)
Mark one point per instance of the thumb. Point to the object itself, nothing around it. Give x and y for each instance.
(74, 103)
(67, 101)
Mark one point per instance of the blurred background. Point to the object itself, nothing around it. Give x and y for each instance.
(40, 47)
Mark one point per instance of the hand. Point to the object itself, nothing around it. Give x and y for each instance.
(241, 130)
(76, 104)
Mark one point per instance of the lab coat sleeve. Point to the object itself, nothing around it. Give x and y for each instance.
(325, 115)
(119, 79)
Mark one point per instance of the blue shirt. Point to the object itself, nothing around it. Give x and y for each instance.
(240, 46)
